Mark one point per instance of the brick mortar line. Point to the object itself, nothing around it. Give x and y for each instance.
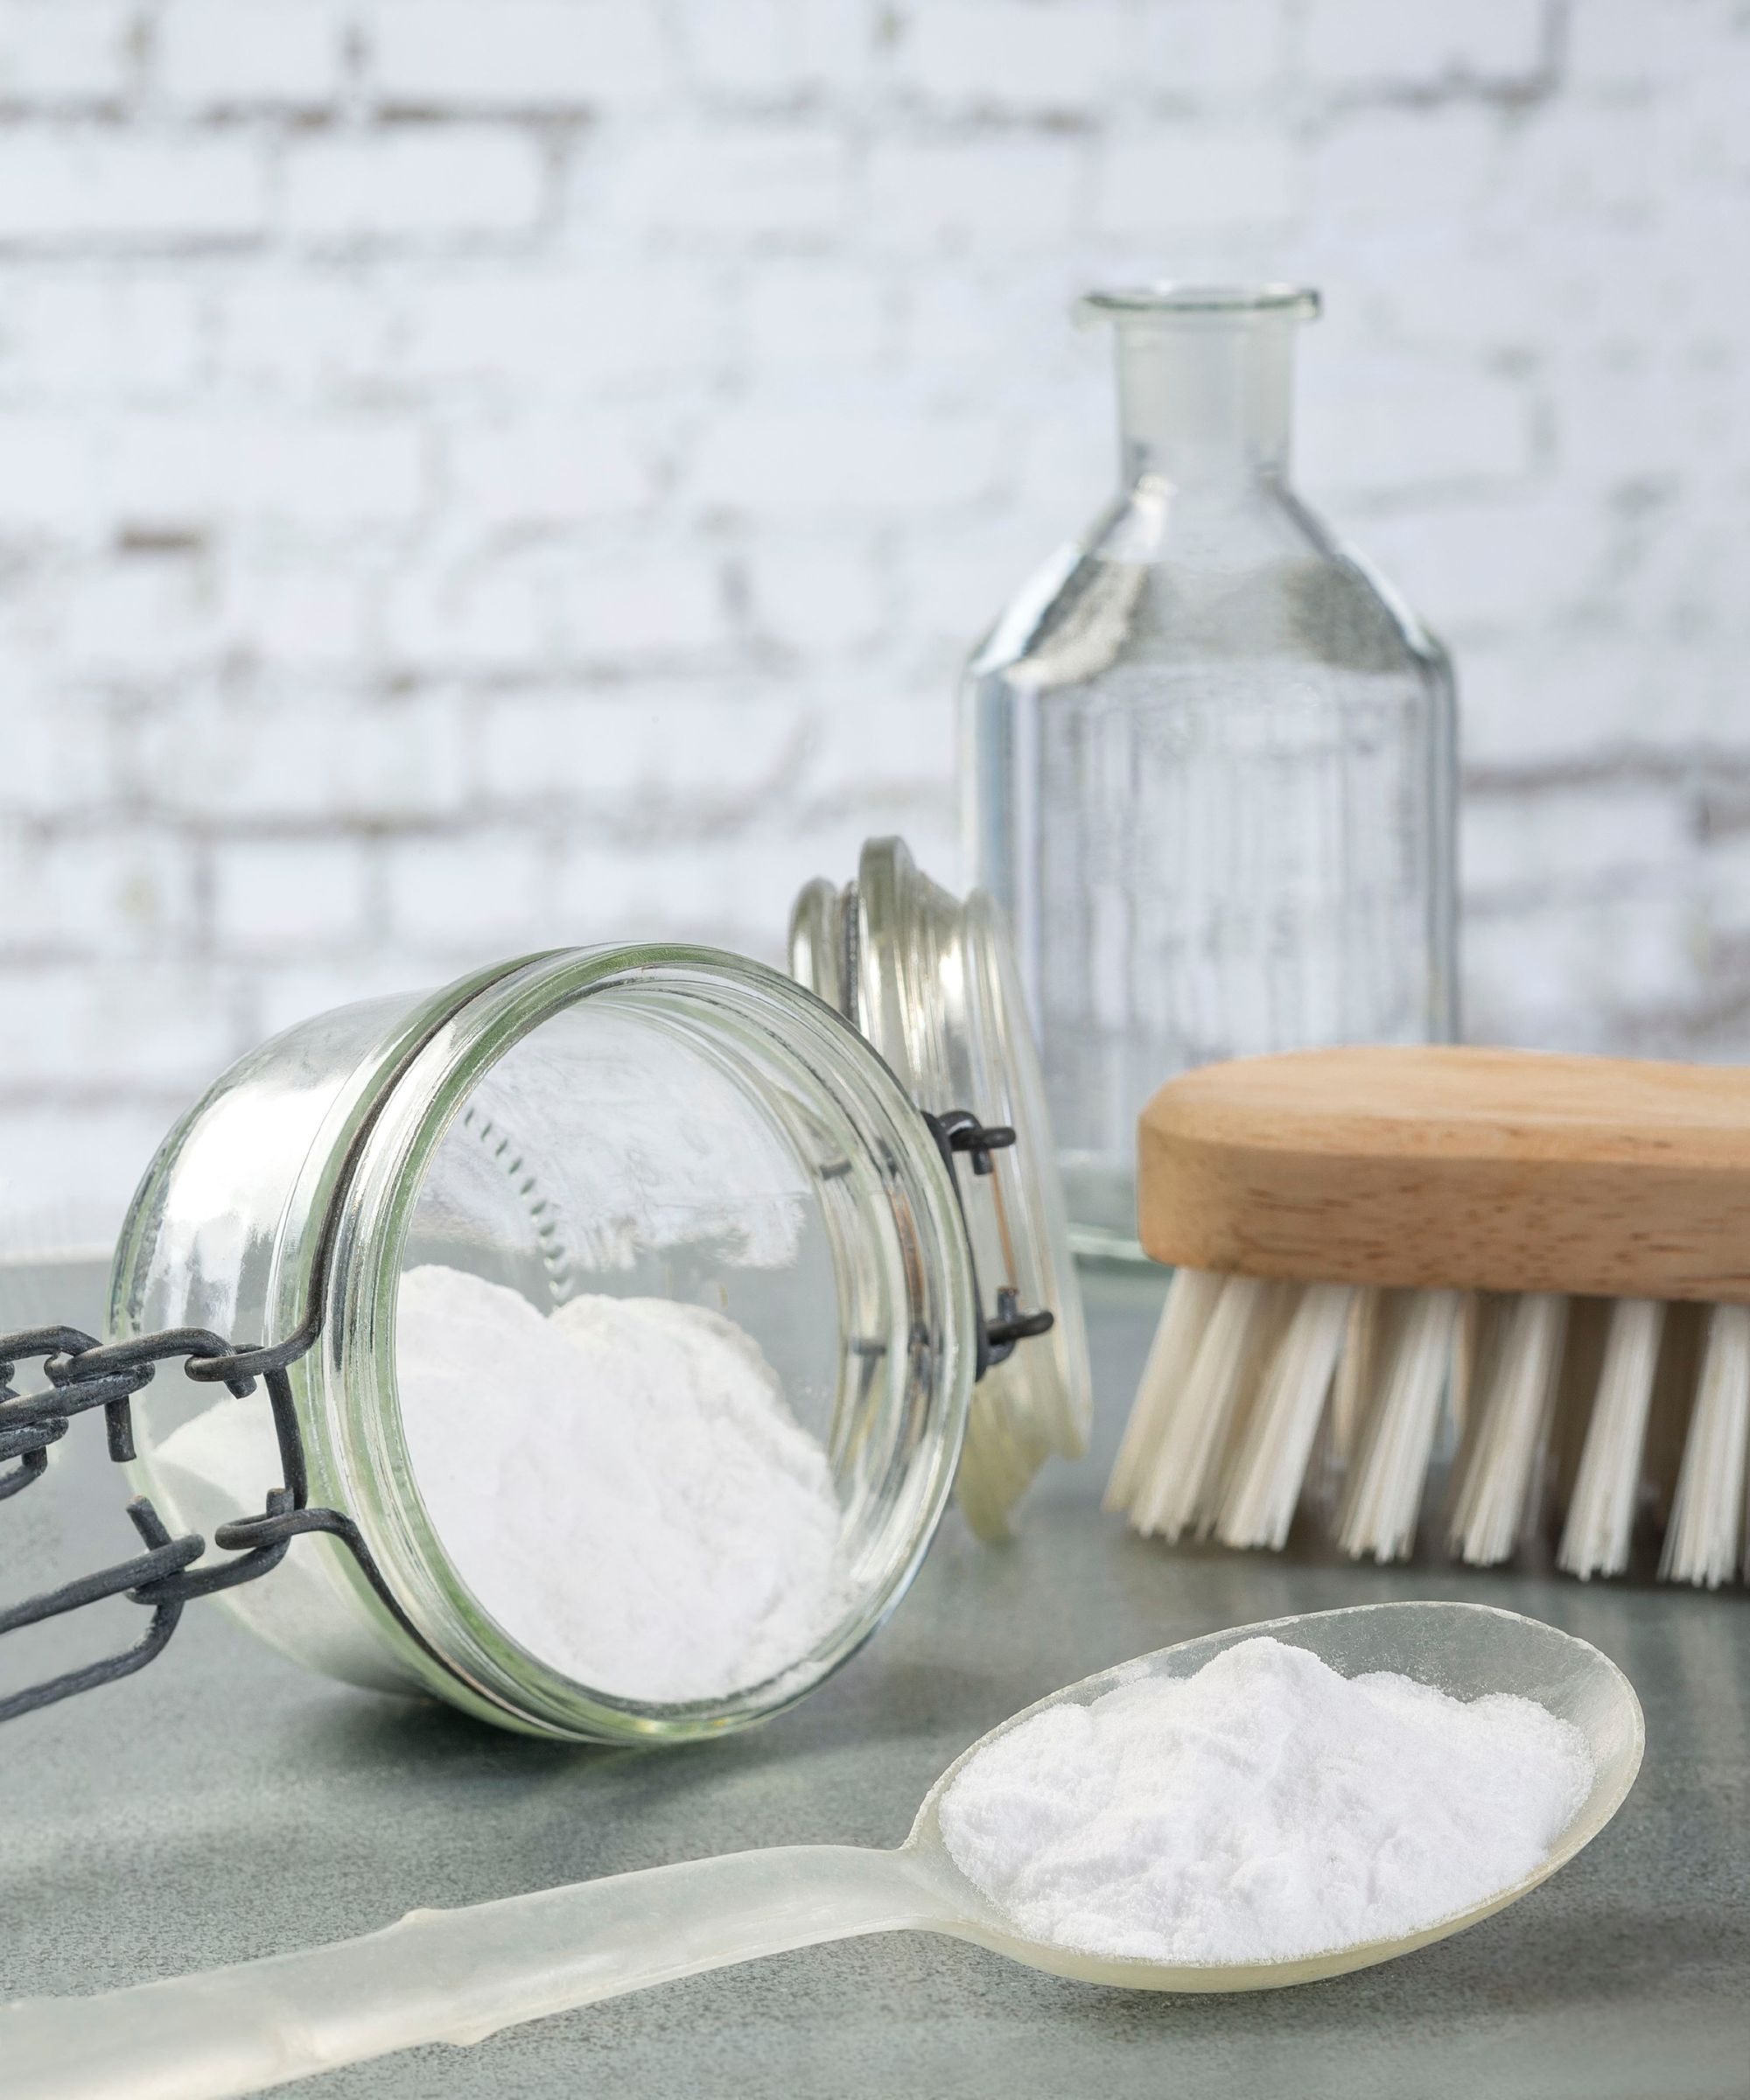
(1692, 767)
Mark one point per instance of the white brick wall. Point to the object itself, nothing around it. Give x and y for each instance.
(483, 473)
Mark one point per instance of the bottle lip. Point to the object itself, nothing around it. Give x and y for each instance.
(1172, 300)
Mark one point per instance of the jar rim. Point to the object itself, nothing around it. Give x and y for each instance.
(1170, 299)
(362, 1286)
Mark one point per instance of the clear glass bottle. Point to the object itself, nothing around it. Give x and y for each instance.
(1210, 757)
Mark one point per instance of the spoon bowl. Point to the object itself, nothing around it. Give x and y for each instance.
(1466, 1650)
(459, 1976)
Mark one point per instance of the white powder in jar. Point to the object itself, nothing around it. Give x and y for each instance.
(622, 1486)
(1262, 1809)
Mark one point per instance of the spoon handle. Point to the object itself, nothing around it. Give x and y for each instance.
(452, 1976)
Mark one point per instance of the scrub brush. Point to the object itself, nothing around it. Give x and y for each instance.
(1558, 1245)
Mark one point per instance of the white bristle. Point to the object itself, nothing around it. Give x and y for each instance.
(1397, 1437)
(1270, 1460)
(1600, 1521)
(1271, 1324)
(1495, 1479)
(1474, 1348)
(1172, 1490)
(1190, 1301)
(1357, 1370)
(1353, 1385)
(1708, 1515)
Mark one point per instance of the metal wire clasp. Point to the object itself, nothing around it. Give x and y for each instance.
(85, 1374)
(960, 1131)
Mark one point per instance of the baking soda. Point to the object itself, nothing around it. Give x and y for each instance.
(621, 1485)
(1263, 1810)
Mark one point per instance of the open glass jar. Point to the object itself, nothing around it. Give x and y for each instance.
(629, 1124)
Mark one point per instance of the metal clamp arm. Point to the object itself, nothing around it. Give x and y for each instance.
(960, 1131)
(85, 1374)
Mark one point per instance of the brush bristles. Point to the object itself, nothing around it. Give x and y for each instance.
(1494, 1474)
(1245, 1374)
(1190, 1301)
(1357, 1370)
(1703, 1539)
(1171, 1491)
(1390, 1468)
(1601, 1522)
(1263, 1484)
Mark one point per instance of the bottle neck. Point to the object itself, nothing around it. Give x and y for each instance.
(1205, 405)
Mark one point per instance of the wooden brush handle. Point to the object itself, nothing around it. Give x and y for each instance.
(1501, 1170)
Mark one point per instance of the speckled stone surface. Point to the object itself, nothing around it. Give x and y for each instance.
(223, 1804)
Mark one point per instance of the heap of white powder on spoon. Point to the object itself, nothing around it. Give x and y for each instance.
(1263, 1810)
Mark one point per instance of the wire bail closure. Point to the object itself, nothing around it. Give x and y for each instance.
(960, 1131)
(84, 1374)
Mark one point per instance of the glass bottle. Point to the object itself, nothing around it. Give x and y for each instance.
(1209, 757)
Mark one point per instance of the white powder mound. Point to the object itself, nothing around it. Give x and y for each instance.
(622, 1487)
(1264, 1808)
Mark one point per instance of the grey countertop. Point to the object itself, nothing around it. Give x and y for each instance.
(223, 1804)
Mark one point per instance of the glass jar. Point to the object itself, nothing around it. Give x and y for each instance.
(930, 979)
(632, 1122)
(1209, 766)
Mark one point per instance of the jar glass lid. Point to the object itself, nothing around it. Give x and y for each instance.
(930, 980)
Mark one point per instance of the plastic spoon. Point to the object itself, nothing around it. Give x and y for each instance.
(459, 1976)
